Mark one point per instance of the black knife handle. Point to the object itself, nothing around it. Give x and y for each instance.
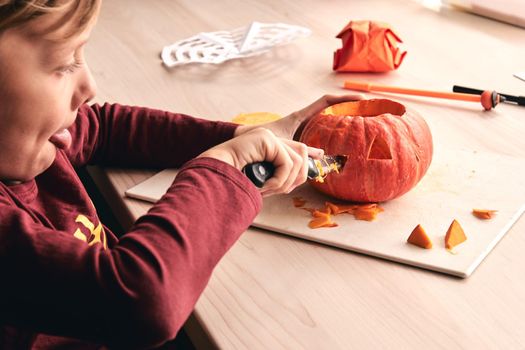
(466, 90)
(259, 172)
(520, 100)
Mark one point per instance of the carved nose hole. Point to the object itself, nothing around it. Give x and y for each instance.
(379, 149)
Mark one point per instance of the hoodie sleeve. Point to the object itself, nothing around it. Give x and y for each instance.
(118, 135)
(138, 292)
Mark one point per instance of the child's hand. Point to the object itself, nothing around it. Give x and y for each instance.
(290, 158)
(290, 127)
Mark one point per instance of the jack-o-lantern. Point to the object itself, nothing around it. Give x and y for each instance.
(388, 149)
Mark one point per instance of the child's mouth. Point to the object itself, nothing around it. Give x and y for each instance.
(61, 139)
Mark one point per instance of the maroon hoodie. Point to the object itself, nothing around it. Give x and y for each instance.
(66, 279)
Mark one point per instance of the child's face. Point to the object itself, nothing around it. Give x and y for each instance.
(43, 82)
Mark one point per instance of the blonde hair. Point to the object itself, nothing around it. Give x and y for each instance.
(14, 13)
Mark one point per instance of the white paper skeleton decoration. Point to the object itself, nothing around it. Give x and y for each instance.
(220, 46)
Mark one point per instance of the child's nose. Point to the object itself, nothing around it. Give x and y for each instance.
(90, 86)
(87, 88)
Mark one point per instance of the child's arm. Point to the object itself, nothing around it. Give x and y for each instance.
(139, 291)
(135, 136)
(120, 135)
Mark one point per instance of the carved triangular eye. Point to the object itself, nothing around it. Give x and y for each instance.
(379, 149)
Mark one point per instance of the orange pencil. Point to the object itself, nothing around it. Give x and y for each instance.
(488, 99)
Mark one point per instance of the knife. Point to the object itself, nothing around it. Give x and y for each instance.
(259, 172)
(520, 100)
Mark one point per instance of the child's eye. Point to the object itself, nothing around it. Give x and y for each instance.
(70, 68)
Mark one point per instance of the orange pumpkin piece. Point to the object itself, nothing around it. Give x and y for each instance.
(298, 202)
(321, 219)
(334, 209)
(317, 213)
(484, 214)
(419, 237)
(367, 212)
(255, 118)
(340, 208)
(366, 206)
(321, 222)
(326, 210)
(455, 235)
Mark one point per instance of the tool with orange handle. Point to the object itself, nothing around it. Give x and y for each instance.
(488, 99)
(519, 100)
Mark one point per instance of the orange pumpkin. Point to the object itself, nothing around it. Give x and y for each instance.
(389, 148)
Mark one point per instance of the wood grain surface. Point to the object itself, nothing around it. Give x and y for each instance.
(276, 292)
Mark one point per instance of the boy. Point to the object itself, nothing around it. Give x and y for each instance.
(67, 281)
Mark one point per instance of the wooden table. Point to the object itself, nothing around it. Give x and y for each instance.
(272, 291)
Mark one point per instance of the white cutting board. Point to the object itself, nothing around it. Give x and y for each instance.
(457, 182)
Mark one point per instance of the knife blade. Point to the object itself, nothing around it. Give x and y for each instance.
(318, 169)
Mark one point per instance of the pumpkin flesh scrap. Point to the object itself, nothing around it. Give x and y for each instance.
(322, 217)
(255, 118)
(340, 208)
(455, 235)
(322, 174)
(321, 213)
(368, 214)
(298, 202)
(484, 214)
(321, 222)
(420, 238)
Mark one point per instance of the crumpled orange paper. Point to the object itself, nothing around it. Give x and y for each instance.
(368, 46)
